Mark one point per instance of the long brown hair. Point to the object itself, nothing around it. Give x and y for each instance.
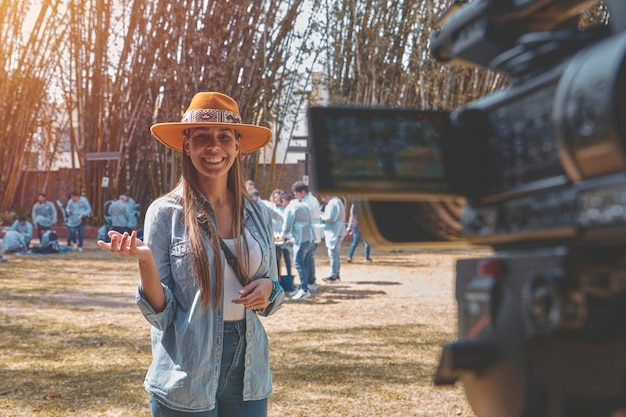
(192, 207)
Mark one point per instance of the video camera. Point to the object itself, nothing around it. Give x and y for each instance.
(537, 172)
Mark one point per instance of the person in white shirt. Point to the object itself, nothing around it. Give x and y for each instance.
(302, 193)
(298, 231)
(334, 218)
(283, 249)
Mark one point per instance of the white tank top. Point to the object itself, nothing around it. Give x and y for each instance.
(232, 286)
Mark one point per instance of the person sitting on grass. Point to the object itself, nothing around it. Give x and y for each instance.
(23, 226)
(49, 243)
(13, 242)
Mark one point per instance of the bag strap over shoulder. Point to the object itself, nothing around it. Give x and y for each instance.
(230, 257)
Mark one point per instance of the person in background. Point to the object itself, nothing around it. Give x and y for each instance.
(2, 232)
(283, 249)
(334, 218)
(44, 215)
(207, 271)
(132, 214)
(301, 192)
(23, 226)
(255, 194)
(78, 210)
(49, 243)
(298, 231)
(13, 242)
(354, 231)
(103, 231)
(250, 186)
(118, 210)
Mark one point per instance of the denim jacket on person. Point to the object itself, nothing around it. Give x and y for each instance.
(187, 338)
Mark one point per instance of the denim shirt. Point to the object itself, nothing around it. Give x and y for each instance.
(187, 338)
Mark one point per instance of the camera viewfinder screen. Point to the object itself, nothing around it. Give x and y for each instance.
(379, 151)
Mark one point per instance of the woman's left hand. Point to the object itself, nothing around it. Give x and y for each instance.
(255, 295)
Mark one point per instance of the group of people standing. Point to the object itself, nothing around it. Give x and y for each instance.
(300, 223)
(75, 214)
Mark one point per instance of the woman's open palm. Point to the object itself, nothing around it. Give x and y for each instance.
(126, 246)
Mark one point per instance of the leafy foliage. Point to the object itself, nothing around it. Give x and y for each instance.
(377, 54)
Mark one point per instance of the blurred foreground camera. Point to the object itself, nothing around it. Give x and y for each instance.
(537, 172)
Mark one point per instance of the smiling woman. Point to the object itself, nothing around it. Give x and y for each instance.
(212, 151)
(207, 270)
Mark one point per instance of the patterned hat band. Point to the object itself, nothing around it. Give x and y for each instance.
(211, 116)
(210, 108)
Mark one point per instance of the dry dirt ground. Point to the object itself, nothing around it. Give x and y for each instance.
(72, 343)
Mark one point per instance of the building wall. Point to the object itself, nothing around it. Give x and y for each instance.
(57, 185)
(291, 174)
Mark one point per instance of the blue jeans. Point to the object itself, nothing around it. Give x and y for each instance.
(302, 259)
(284, 253)
(73, 232)
(311, 265)
(335, 261)
(356, 238)
(230, 401)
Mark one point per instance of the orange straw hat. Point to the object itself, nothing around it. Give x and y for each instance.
(211, 109)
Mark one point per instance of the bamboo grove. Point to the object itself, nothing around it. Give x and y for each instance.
(102, 71)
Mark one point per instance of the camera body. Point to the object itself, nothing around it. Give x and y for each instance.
(537, 172)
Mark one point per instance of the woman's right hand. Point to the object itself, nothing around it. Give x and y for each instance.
(126, 246)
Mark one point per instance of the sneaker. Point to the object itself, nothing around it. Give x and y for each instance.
(301, 295)
(332, 280)
(294, 292)
(74, 246)
(80, 249)
(369, 260)
(313, 287)
(349, 260)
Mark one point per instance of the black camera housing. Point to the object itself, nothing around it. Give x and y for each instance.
(537, 172)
